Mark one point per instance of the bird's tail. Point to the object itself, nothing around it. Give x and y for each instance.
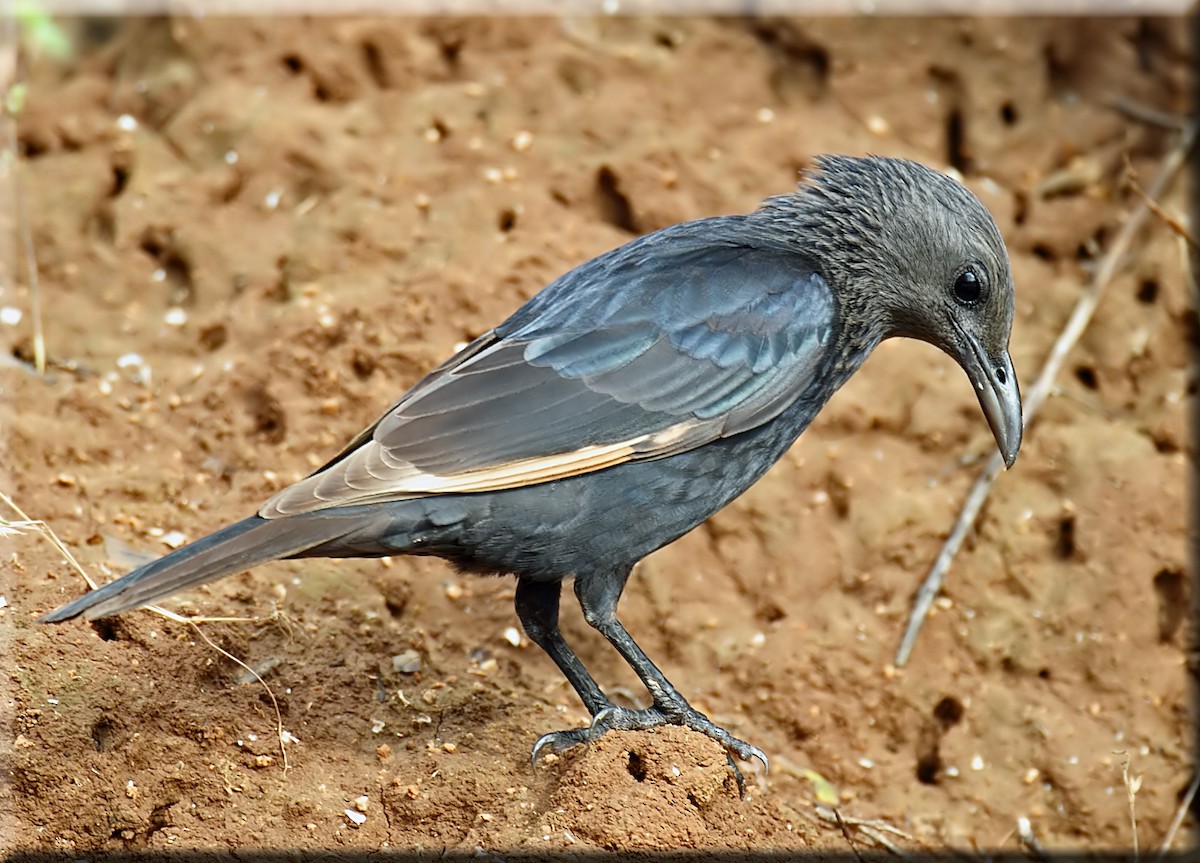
(231, 549)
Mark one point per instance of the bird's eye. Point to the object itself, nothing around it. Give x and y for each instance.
(968, 287)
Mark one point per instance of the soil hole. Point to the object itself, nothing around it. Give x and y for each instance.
(1020, 208)
(362, 364)
(948, 711)
(1086, 375)
(1065, 546)
(1170, 586)
(214, 336)
(614, 205)
(104, 734)
(267, 414)
(120, 180)
(507, 220)
(1043, 252)
(106, 628)
(1147, 291)
(928, 766)
(159, 243)
(1008, 113)
(293, 64)
(637, 767)
(956, 141)
(801, 64)
(373, 60)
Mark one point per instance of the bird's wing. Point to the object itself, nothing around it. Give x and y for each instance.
(623, 359)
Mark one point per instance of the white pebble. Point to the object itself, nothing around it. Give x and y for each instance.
(174, 539)
(866, 763)
(522, 141)
(876, 125)
(127, 123)
(127, 360)
(231, 157)
(765, 115)
(271, 199)
(356, 818)
(977, 762)
(175, 317)
(3, 602)
(512, 636)
(10, 315)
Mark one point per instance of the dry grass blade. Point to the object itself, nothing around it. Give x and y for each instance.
(1037, 395)
(26, 523)
(1132, 785)
(873, 829)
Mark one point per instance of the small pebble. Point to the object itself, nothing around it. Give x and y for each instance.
(356, 818)
(10, 315)
(522, 141)
(175, 317)
(408, 662)
(512, 636)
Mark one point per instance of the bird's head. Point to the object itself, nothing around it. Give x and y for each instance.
(915, 253)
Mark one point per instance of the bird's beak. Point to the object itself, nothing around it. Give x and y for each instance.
(999, 395)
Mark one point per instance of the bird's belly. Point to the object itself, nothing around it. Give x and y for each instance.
(601, 520)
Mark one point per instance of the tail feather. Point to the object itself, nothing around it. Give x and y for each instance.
(235, 548)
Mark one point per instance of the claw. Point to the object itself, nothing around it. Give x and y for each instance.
(558, 741)
(600, 720)
(737, 775)
(754, 752)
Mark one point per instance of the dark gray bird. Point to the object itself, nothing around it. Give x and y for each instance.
(633, 398)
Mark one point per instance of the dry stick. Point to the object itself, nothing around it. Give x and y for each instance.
(31, 273)
(11, 147)
(1037, 395)
(1184, 805)
(44, 529)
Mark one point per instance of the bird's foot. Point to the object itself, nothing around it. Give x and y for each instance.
(616, 718)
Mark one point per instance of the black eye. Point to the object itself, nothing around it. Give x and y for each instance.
(968, 287)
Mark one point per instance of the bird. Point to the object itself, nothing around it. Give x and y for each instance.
(634, 397)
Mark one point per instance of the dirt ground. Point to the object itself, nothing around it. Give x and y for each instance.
(254, 234)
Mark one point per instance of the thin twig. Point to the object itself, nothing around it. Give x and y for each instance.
(1071, 333)
(44, 529)
(846, 834)
(1169, 219)
(1132, 784)
(11, 147)
(1184, 806)
(1146, 114)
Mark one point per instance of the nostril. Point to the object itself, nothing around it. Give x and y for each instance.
(1001, 375)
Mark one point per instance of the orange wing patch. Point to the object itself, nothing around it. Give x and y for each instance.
(373, 475)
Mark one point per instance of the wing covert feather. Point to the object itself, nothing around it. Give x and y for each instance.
(622, 359)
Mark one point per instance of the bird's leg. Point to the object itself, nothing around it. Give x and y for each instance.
(598, 596)
(537, 609)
